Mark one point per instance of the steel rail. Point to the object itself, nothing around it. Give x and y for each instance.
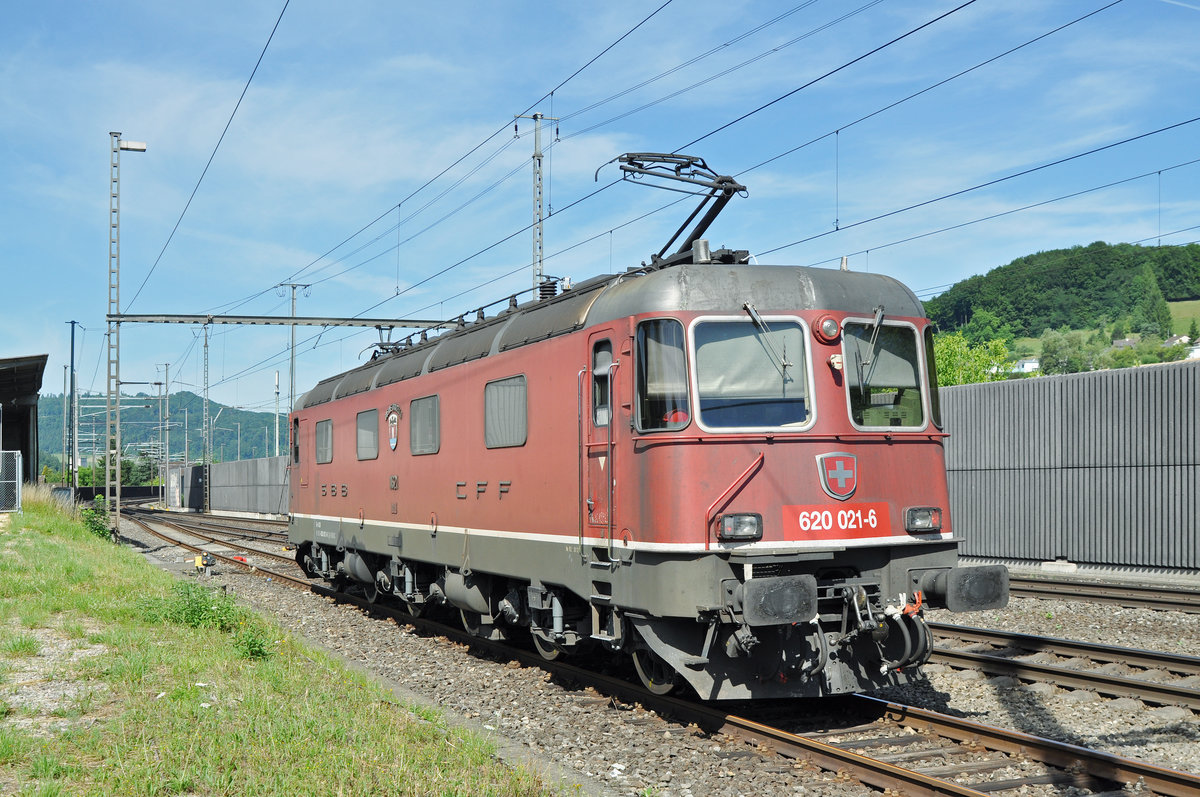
(1108, 685)
(1128, 595)
(1150, 659)
(1157, 780)
(290, 580)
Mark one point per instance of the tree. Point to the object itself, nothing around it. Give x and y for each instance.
(1193, 331)
(985, 326)
(960, 363)
(1151, 313)
(1067, 352)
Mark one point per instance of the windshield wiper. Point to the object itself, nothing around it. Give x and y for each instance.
(874, 336)
(762, 325)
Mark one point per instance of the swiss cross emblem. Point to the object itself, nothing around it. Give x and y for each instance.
(839, 474)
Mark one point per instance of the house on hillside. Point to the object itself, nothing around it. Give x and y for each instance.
(1026, 365)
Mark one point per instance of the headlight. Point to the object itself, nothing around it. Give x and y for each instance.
(827, 329)
(923, 518)
(746, 526)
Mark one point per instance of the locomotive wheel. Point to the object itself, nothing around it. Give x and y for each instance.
(655, 674)
(545, 648)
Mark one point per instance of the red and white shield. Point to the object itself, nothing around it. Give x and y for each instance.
(839, 474)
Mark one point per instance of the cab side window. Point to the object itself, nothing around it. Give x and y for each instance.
(602, 359)
(662, 396)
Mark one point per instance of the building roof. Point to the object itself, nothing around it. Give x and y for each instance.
(21, 378)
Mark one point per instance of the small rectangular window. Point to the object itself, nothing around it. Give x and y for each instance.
(505, 412)
(602, 360)
(295, 441)
(935, 404)
(368, 434)
(424, 426)
(324, 441)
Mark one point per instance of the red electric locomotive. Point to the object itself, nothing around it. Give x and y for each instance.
(733, 473)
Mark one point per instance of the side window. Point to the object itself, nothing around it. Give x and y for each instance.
(424, 426)
(367, 436)
(662, 398)
(505, 412)
(295, 441)
(935, 403)
(602, 358)
(324, 441)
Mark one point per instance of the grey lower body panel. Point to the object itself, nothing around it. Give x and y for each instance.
(732, 625)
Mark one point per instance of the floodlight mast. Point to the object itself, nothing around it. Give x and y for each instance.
(112, 454)
(685, 169)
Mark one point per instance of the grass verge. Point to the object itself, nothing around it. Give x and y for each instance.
(117, 679)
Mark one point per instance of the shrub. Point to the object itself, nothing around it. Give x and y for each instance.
(196, 606)
(95, 517)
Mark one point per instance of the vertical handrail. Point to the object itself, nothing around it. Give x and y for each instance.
(581, 429)
(612, 470)
(738, 482)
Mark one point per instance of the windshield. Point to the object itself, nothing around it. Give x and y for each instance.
(752, 373)
(883, 374)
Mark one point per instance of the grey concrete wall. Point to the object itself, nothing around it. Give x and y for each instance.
(1096, 468)
(257, 486)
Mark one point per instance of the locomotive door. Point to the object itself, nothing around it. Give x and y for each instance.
(597, 412)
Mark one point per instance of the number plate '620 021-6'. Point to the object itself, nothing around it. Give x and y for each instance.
(840, 521)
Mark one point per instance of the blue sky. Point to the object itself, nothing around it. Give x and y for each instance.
(356, 106)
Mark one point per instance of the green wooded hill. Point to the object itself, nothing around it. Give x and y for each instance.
(140, 425)
(1078, 288)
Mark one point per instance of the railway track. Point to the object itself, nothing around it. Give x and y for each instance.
(1155, 678)
(227, 528)
(895, 748)
(1164, 598)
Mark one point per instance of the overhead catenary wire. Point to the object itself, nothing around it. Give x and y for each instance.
(297, 274)
(845, 126)
(188, 204)
(271, 359)
(489, 281)
(776, 157)
(830, 73)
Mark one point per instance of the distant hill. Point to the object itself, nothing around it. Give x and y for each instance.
(1078, 288)
(140, 425)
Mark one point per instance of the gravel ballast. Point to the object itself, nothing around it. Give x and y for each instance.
(577, 739)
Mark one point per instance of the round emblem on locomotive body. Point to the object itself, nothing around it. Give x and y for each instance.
(393, 423)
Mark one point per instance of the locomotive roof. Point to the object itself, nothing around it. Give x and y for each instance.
(681, 288)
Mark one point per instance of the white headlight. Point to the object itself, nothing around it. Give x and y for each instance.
(746, 526)
(923, 518)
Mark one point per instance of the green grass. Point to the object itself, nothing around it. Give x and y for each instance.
(1183, 314)
(195, 695)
